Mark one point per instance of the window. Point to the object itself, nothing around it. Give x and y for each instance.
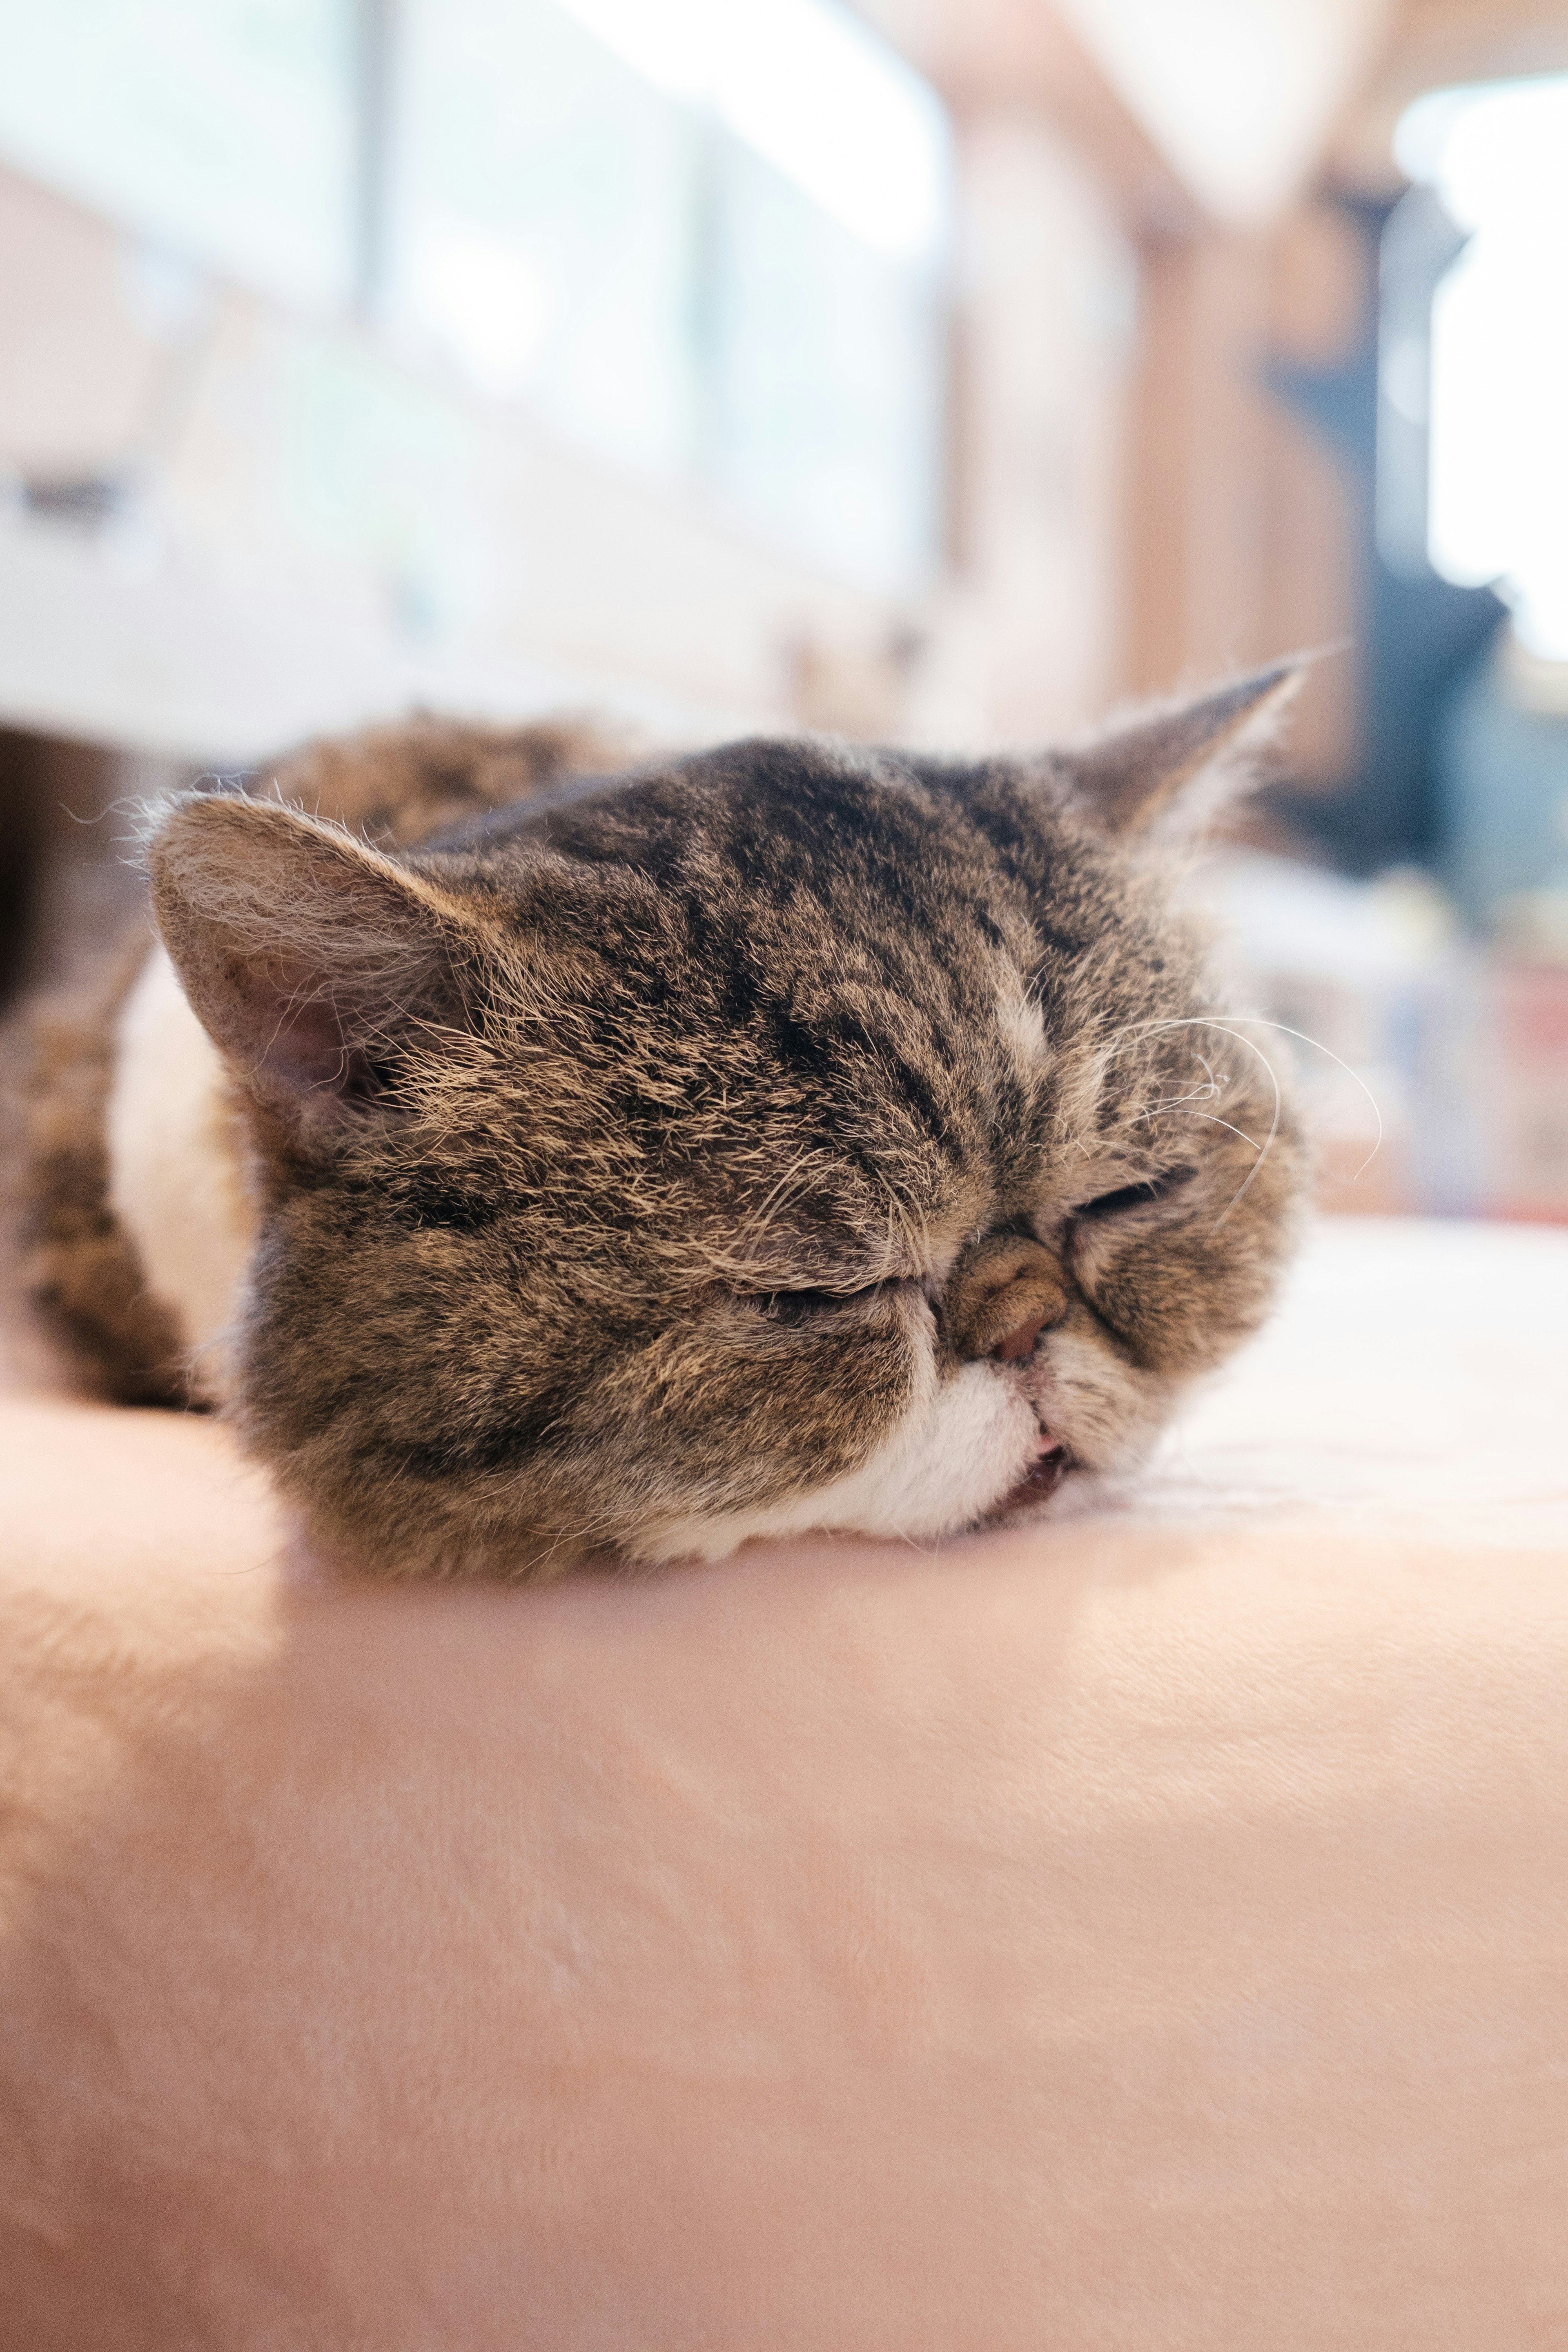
(823, 371)
(702, 239)
(540, 221)
(1497, 157)
(224, 128)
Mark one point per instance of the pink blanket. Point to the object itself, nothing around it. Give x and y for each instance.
(1150, 1932)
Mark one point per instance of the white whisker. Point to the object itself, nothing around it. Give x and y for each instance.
(1205, 1021)
(1256, 1021)
(1160, 1108)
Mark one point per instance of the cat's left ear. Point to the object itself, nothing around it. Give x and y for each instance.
(1181, 759)
(314, 963)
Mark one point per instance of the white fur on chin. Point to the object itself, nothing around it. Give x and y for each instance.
(959, 1451)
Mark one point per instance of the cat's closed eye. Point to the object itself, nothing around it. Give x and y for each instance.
(1134, 1196)
(796, 1306)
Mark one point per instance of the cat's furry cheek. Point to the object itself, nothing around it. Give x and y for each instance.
(1106, 1412)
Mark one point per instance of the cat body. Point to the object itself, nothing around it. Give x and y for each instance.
(787, 1137)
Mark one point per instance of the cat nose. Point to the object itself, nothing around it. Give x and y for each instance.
(1002, 1297)
(1020, 1342)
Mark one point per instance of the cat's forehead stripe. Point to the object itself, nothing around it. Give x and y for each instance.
(1022, 1028)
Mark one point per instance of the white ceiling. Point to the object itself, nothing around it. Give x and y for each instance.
(1240, 95)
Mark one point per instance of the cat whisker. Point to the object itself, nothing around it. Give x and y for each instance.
(1224, 1029)
(1163, 1110)
(1256, 1021)
(1260, 1021)
(1175, 1102)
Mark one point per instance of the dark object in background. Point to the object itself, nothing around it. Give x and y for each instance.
(1417, 632)
(66, 885)
(22, 830)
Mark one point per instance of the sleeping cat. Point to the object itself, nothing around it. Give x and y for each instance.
(790, 1136)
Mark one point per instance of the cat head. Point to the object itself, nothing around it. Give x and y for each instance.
(791, 1136)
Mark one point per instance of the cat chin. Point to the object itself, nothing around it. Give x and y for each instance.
(991, 1447)
(939, 1474)
(1079, 1493)
(975, 1453)
(1037, 1486)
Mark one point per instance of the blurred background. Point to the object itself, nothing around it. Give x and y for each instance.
(948, 371)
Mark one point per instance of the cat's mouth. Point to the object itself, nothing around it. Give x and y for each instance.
(1037, 1484)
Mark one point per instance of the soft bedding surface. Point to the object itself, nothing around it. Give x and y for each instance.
(1148, 1931)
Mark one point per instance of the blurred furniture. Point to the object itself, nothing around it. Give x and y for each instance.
(1148, 1930)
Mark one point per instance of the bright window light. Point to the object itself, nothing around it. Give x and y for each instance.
(540, 219)
(223, 128)
(812, 90)
(702, 238)
(1498, 156)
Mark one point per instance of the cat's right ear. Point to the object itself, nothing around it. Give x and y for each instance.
(1176, 761)
(313, 962)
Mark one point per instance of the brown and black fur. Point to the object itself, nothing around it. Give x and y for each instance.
(622, 1159)
(392, 785)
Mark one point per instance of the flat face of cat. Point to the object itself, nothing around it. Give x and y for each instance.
(790, 1138)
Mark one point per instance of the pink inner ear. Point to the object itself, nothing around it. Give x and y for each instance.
(299, 1042)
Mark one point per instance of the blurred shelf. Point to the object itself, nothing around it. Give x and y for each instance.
(109, 637)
